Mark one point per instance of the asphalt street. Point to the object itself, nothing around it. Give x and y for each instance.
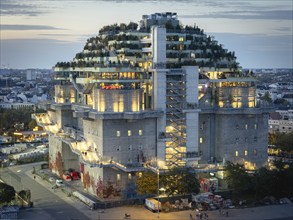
(47, 205)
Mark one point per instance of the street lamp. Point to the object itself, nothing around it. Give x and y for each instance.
(159, 189)
(158, 176)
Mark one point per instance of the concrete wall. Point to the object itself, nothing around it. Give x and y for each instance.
(191, 132)
(191, 83)
(93, 133)
(121, 184)
(70, 159)
(67, 118)
(64, 93)
(129, 149)
(159, 103)
(55, 146)
(191, 116)
(95, 175)
(238, 132)
(158, 36)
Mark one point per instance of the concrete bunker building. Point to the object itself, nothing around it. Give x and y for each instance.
(151, 96)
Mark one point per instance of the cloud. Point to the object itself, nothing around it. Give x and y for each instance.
(248, 14)
(20, 27)
(14, 7)
(283, 29)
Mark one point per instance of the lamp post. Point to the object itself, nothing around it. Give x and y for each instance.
(158, 176)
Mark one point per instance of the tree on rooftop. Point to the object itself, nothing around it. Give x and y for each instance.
(132, 26)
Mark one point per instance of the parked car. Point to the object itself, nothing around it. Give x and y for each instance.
(74, 175)
(59, 183)
(66, 177)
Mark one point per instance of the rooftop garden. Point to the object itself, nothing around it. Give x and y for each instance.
(187, 43)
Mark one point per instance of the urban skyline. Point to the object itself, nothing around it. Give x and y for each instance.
(37, 34)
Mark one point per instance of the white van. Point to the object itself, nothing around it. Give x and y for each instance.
(152, 204)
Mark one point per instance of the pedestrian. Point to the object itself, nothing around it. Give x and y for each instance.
(190, 216)
(207, 216)
(227, 214)
(34, 177)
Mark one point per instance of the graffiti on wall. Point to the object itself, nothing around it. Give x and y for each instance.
(59, 164)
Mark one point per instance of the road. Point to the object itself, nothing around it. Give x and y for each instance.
(47, 204)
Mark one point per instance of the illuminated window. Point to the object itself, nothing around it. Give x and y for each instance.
(140, 174)
(118, 133)
(181, 39)
(246, 126)
(200, 140)
(129, 176)
(236, 153)
(118, 177)
(255, 126)
(139, 132)
(129, 132)
(245, 152)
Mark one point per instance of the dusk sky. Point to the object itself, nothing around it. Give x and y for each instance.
(39, 33)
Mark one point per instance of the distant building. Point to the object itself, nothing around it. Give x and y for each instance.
(16, 148)
(281, 121)
(17, 105)
(5, 139)
(31, 75)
